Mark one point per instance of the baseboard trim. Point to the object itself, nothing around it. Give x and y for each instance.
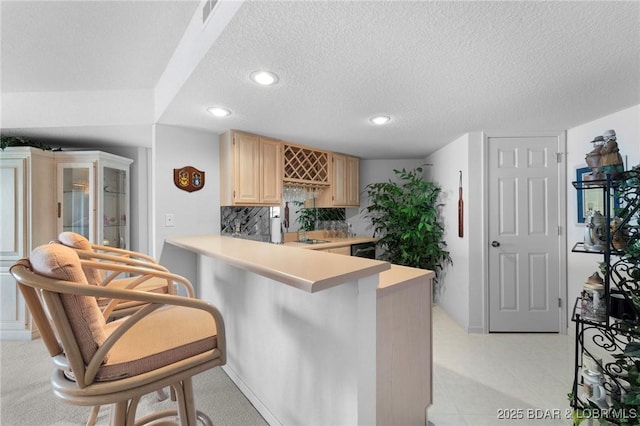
(248, 393)
(16, 335)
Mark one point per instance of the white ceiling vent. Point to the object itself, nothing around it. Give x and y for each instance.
(208, 7)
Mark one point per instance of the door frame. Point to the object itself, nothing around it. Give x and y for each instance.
(562, 221)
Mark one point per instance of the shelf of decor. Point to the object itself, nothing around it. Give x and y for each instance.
(607, 349)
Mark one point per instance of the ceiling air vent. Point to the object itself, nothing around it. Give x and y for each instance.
(209, 5)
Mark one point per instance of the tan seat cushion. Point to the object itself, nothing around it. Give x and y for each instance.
(60, 262)
(75, 240)
(165, 336)
(153, 284)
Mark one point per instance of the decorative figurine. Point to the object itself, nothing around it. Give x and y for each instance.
(595, 237)
(604, 158)
(610, 158)
(593, 158)
(619, 235)
(593, 301)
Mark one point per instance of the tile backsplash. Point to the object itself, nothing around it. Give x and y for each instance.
(253, 222)
(245, 222)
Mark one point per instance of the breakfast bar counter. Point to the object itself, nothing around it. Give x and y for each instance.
(289, 265)
(316, 338)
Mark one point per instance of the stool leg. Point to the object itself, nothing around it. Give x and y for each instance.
(161, 394)
(118, 413)
(131, 411)
(203, 418)
(91, 421)
(184, 399)
(189, 400)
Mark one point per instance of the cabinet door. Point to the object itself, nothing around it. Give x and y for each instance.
(13, 217)
(353, 182)
(246, 177)
(339, 179)
(346, 250)
(345, 187)
(13, 214)
(271, 170)
(76, 204)
(115, 205)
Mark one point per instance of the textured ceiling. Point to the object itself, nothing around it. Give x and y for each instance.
(88, 45)
(440, 69)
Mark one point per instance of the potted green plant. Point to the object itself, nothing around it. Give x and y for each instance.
(405, 216)
(307, 217)
(6, 141)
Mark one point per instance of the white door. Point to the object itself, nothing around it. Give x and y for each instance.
(524, 256)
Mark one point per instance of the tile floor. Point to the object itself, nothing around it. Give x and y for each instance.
(479, 377)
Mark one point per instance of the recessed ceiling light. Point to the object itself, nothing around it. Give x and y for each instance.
(219, 111)
(264, 78)
(380, 119)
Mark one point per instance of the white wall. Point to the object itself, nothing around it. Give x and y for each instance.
(195, 212)
(626, 123)
(452, 290)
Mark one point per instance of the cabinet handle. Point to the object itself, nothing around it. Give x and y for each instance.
(59, 210)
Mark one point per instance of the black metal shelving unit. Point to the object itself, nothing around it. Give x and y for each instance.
(608, 339)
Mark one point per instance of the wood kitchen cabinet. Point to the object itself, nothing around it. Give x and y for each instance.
(345, 183)
(345, 250)
(250, 170)
(306, 166)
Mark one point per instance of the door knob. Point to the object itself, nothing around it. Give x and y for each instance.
(495, 244)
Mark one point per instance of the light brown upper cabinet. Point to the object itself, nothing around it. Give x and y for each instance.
(345, 183)
(250, 170)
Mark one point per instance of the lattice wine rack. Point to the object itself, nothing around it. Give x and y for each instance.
(305, 167)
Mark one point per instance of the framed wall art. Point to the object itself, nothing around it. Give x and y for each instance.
(592, 198)
(188, 178)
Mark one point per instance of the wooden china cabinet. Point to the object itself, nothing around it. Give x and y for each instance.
(47, 192)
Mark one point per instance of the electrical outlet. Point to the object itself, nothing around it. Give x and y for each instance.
(169, 219)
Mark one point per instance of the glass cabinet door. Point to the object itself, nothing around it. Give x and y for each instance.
(114, 202)
(76, 208)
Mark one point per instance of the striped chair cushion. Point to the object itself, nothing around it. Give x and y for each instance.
(75, 240)
(87, 322)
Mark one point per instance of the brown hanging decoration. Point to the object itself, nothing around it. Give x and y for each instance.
(188, 178)
(460, 209)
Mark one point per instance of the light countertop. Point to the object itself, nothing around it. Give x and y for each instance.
(332, 243)
(290, 239)
(308, 270)
(398, 276)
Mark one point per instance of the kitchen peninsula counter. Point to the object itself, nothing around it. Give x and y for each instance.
(301, 269)
(316, 338)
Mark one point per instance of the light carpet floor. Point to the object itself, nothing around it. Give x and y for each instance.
(27, 400)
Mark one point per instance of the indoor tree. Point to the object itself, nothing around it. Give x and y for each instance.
(405, 216)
